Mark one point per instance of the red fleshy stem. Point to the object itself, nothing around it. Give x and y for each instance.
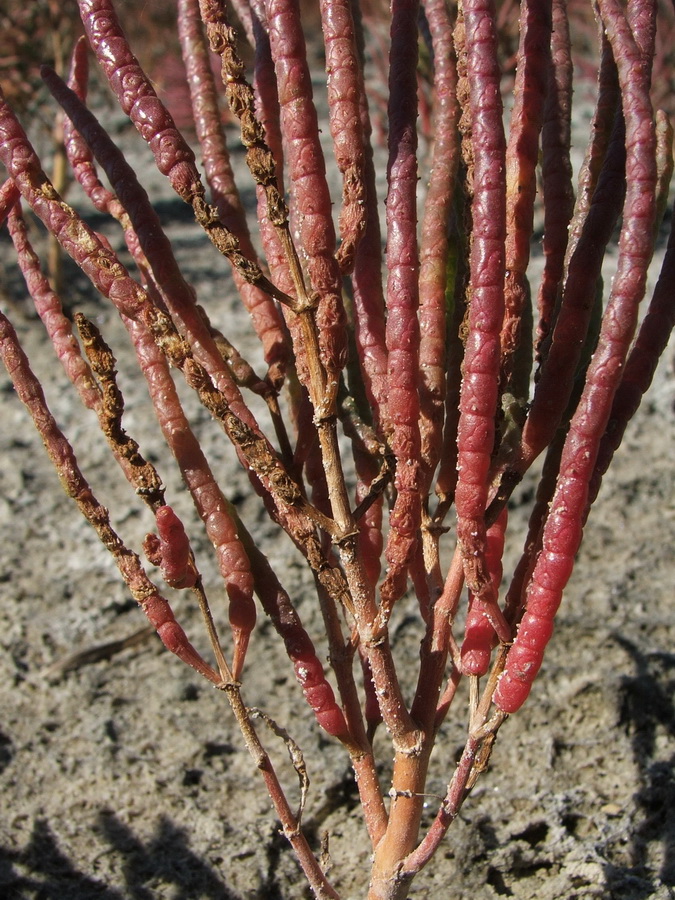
(174, 550)
(9, 195)
(402, 332)
(345, 85)
(532, 69)
(310, 198)
(434, 246)
(480, 385)
(479, 632)
(558, 193)
(564, 525)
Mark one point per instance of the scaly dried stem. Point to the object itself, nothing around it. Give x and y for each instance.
(265, 316)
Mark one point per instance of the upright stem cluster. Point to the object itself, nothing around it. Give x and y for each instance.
(419, 355)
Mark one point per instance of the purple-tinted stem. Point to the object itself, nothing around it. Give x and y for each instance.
(557, 189)
(173, 156)
(78, 153)
(480, 385)
(97, 261)
(429, 707)
(435, 237)
(650, 343)
(642, 19)
(110, 277)
(48, 307)
(532, 70)
(564, 525)
(244, 12)
(369, 324)
(402, 331)
(267, 95)
(665, 163)
(556, 378)
(300, 649)
(268, 114)
(446, 478)
(370, 524)
(137, 97)
(175, 554)
(602, 131)
(514, 602)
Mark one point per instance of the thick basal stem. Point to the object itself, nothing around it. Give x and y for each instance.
(407, 802)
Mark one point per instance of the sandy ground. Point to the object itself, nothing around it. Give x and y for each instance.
(128, 779)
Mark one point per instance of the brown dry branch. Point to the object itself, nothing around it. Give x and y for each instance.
(399, 356)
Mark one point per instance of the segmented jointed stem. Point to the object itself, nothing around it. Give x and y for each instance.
(310, 198)
(345, 85)
(514, 602)
(259, 157)
(435, 239)
(111, 278)
(368, 294)
(642, 23)
(404, 371)
(317, 365)
(402, 331)
(446, 477)
(346, 725)
(171, 550)
(79, 155)
(652, 339)
(141, 473)
(479, 633)
(220, 177)
(210, 503)
(323, 330)
(532, 70)
(556, 167)
(480, 384)
(559, 365)
(9, 196)
(147, 236)
(157, 251)
(665, 163)
(564, 525)
(48, 307)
